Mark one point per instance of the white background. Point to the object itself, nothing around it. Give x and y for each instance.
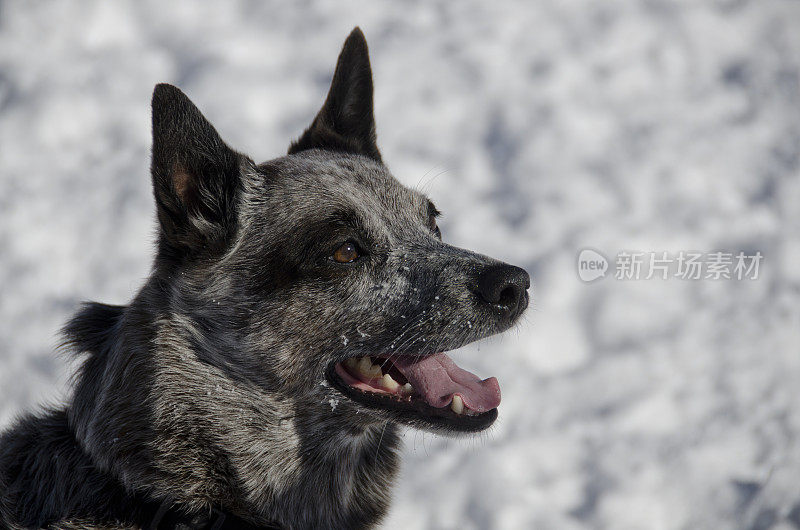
(539, 128)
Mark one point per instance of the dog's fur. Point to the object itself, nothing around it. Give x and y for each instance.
(212, 389)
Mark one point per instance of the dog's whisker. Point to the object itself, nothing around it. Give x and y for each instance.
(380, 440)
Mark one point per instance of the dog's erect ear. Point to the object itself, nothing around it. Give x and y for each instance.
(346, 121)
(195, 176)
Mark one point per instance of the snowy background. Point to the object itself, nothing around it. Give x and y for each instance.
(539, 128)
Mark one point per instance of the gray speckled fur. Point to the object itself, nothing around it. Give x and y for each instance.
(211, 388)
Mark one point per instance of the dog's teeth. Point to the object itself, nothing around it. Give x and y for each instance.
(375, 371)
(351, 363)
(457, 404)
(407, 389)
(369, 370)
(364, 366)
(389, 383)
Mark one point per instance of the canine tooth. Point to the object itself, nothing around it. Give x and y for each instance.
(457, 404)
(407, 388)
(389, 383)
(351, 363)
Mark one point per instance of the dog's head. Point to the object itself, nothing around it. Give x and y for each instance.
(318, 276)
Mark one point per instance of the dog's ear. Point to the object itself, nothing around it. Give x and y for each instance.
(346, 121)
(195, 176)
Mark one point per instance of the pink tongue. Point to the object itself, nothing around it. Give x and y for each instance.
(437, 378)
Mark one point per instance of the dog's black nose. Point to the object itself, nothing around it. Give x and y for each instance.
(505, 287)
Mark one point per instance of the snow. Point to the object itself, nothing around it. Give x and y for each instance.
(540, 129)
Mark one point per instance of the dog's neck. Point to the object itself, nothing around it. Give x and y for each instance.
(184, 429)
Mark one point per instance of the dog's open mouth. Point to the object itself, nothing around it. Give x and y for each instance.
(431, 388)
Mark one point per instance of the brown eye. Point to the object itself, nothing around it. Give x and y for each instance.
(347, 253)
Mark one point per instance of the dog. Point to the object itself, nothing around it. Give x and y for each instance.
(295, 319)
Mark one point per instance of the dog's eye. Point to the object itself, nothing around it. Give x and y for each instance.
(347, 253)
